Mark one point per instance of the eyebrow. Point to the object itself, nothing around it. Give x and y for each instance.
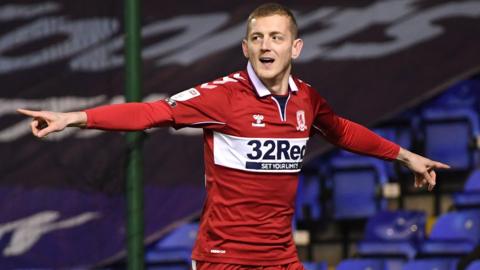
(276, 33)
(270, 33)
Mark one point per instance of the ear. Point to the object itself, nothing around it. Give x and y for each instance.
(297, 48)
(245, 48)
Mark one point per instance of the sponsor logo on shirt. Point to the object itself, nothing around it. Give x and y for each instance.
(186, 95)
(258, 120)
(259, 154)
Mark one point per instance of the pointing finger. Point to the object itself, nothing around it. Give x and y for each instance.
(440, 165)
(36, 114)
(29, 112)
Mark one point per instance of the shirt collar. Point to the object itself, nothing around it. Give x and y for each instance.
(261, 89)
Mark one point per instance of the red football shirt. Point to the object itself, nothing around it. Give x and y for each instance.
(253, 152)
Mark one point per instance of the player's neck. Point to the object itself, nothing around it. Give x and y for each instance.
(279, 84)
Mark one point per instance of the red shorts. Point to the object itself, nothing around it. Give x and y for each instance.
(225, 266)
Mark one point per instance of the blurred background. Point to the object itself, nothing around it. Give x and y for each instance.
(409, 69)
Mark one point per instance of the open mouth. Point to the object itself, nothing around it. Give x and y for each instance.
(267, 60)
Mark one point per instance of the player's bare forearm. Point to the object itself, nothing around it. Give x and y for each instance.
(404, 156)
(76, 119)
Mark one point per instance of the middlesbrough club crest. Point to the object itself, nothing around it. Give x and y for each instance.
(301, 126)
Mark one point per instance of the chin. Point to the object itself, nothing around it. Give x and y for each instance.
(267, 74)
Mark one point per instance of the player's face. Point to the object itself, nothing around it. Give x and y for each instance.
(270, 47)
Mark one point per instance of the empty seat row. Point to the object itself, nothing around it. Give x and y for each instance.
(354, 186)
(402, 234)
(422, 264)
(470, 196)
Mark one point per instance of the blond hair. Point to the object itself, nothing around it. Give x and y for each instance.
(270, 9)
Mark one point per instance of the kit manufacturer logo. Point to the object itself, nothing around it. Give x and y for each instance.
(258, 120)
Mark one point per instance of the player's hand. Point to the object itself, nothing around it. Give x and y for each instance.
(422, 168)
(46, 122)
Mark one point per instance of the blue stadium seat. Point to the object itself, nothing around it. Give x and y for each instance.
(431, 264)
(403, 129)
(315, 265)
(394, 264)
(475, 265)
(449, 134)
(464, 94)
(454, 233)
(393, 234)
(470, 197)
(308, 198)
(361, 264)
(356, 183)
(174, 247)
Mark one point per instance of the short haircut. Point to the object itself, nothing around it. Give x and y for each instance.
(271, 9)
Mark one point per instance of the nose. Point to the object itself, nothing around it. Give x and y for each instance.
(265, 44)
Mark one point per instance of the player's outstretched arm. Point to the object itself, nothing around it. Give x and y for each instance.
(46, 122)
(422, 168)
